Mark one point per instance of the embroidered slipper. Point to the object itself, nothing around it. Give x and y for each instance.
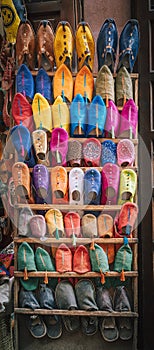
(40, 180)
(126, 220)
(63, 83)
(59, 185)
(110, 183)
(76, 186)
(85, 45)
(21, 178)
(40, 144)
(22, 111)
(124, 87)
(96, 117)
(91, 149)
(63, 258)
(107, 41)
(64, 44)
(112, 120)
(125, 153)
(21, 140)
(89, 225)
(44, 45)
(58, 146)
(128, 120)
(74, 154)
(84, 84)
(127, 186)
(55, 225)
(11, 20)
(41, 112)
(60, 114)
(78, 116)
(109, 152)
(105, 84)
(81, 260)
(25, 82)
(43, 85)
(72, 224)
(92, 187)
(25, 45)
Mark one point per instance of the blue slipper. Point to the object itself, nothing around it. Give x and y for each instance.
(107, 44)
(92, 186)
(78, 116)
(21, 139)
(43, 85)
(109, 152)
(96, 117)
(25, 82)
(129, 45)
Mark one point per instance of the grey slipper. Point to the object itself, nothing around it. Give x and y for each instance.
(89, 325)
(108, 329)
(37, 326)
(125, 328)
(54, 326)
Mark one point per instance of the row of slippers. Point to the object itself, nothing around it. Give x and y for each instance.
(83, 296)
(59, 150)
(54, 223)
(53, 49)
(92, 187)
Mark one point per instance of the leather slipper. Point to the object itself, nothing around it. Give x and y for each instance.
(85, 45)
(44, 47)
(64, 44)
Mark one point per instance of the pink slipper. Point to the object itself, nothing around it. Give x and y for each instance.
(125, 153)
(128, 120)
(110, 183)
(59, 146)
(112, 120)
(91, 152)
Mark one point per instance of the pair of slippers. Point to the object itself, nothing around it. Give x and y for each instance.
(111, 329)
(39, 325)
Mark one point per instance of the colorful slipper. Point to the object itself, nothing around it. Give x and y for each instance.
(21, 140)
(60, 114)
(105, 84)
(74, 154)
(96, 117)
(125, 153)
(91, 149)
(21, 178)
(55, 225)
(37, 226)
(40, 144)
(23, 223)
(89, 225)
(81, 260)
(84, 84)
(41, 112)
(107, 41)
(76, 187)
(126, 220)
(25, 82)
(127, 186)
(22, 111)
(43, 84)
(110, 183)
(128, 120)
(105, 225)
(72, 224)
(59, 146)
(63, 259)
(112, 120)
(25, 45)
(64, 44)
(44, 45)
(92, 187)
(59, 185)
(109, 152)
(40, 177)
(78, 117)
(85, 45)
(63, 83)
(124, 87)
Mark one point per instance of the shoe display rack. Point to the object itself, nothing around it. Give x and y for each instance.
(49, 242)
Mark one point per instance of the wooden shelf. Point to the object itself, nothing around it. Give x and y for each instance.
(48, 240)
(68, 206)
(54, 274)
(74, 312)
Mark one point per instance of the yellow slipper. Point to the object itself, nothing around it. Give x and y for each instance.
(11, 20)
(63, 44)
(60, 114)
(63, 83)
(85, 45)
(84, 84)
(55, 225)
(41, 112)
(128, 185)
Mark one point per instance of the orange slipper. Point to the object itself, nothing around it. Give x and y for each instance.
(59, 185)
(63, 83)
(84, 84)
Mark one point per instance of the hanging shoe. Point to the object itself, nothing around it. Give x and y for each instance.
(110, 184)
(60, 114)
(58, 146)
(105, 84)
(127, 186)
(107, 41)
(78, 116)
(41, 112)
(64, 44)
(128, 120)
(22, 111)
(85, 46)
(129, 45)
(63, 83)
(25, 45)
(44, 45)
(84, 84)
(96, 117)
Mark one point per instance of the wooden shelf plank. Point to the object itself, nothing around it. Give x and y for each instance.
(74, 312)
(68, 206)
(49, 240)
(74, 274)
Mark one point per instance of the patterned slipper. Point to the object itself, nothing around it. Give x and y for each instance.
(110, 183)
(127, 186)
(85, 45)
(64, 44)
(125, 153)
(109, 152)
(91, 152)
(74, 154)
